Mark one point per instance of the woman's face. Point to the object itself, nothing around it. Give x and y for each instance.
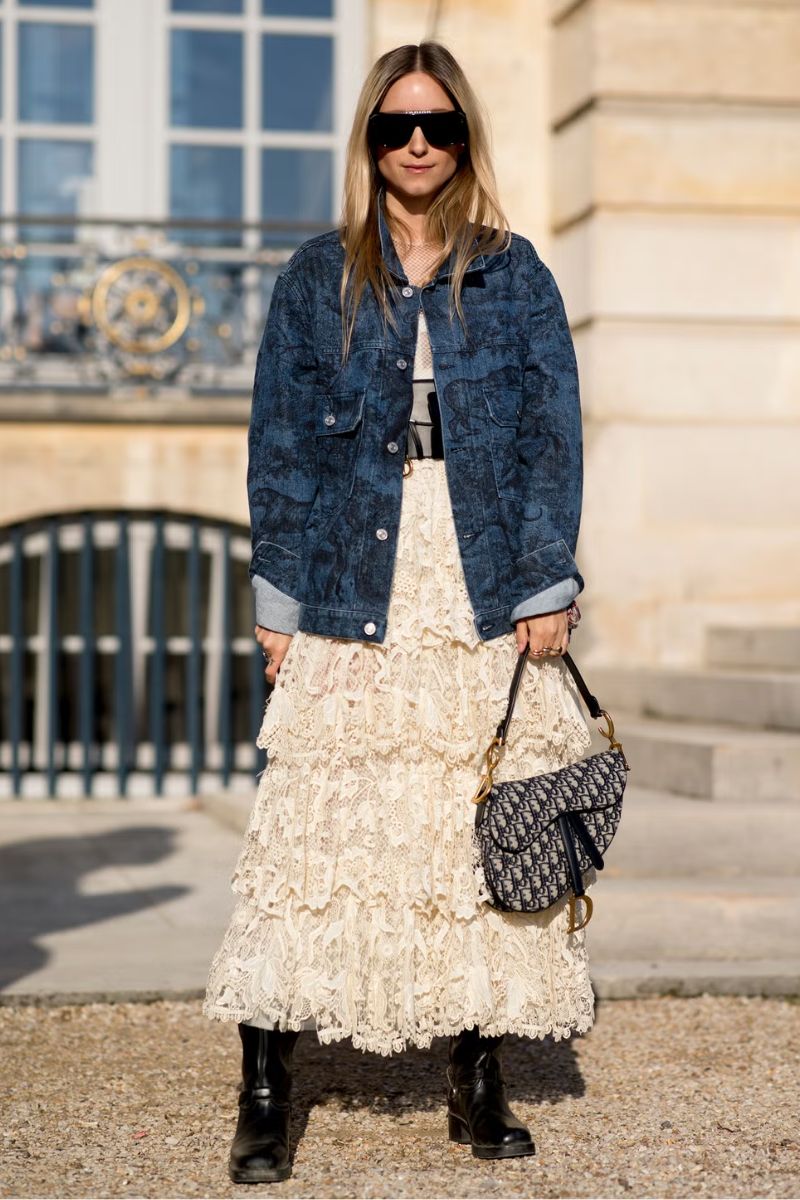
(418, 170)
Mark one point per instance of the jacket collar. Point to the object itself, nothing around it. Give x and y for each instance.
(392, 260)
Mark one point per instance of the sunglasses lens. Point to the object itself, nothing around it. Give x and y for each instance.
(391, 130)
(444, 128)
(394, 130)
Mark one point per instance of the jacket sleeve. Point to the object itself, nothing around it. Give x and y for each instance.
(550, 450)
(281, 464)
(552, 599)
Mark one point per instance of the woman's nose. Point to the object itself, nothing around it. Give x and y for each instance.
(418, 143)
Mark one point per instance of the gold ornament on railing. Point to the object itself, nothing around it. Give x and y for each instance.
(141, 305)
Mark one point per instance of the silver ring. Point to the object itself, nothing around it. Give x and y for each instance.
(267, 656)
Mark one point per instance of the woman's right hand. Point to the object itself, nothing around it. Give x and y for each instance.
(275, 644)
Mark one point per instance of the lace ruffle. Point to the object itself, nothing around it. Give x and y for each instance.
(360, 900)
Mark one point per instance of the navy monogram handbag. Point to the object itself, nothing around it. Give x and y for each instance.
(538, 836)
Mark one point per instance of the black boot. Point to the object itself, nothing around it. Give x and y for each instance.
(477, 1109)
(260, 1147)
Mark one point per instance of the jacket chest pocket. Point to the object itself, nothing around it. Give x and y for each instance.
(338, 437)
(504, 407)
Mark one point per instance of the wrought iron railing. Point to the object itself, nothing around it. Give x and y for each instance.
(127, 657)
(96, 304)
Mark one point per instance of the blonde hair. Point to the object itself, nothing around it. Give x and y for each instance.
(466, 207)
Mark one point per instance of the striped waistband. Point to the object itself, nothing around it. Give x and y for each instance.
(424, 438)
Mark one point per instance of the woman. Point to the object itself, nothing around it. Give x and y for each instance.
(392, 599)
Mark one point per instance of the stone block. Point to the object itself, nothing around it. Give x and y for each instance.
(705, 50)
(681, 267)
(678, 155)
(686, 373)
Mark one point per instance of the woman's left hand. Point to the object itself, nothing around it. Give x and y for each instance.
(546, 630)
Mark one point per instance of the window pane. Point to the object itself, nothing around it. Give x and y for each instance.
(206, 182)
(297, 8)
(55, 72)
(206, 76)
(296, 185)
(297, 75)
(51, 174)
(207, 6)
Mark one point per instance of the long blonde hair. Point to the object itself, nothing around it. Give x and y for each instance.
(466, 207)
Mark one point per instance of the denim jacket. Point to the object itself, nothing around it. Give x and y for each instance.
(326, 441)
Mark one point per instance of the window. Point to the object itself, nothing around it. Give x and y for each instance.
(48, 131)
(206, 79)
(228, 109)
(55, 77)
(259, 77)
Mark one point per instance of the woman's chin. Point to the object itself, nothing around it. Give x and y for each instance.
(415, 186)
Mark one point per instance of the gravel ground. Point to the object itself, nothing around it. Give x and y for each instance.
(664, 1097)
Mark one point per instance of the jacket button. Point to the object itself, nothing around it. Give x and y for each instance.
(330, 419)
(369, 627)
(392, 447)
(402, 364)
(382, 534)
(408, 291)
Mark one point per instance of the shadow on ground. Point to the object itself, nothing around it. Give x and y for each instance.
(40, 888)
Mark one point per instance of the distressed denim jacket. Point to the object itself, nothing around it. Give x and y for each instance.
(326, 441)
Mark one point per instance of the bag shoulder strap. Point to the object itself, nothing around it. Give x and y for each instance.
(590, 700)
(492, 755)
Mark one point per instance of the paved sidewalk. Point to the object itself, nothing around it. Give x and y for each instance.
(129, 899)
(110, 898)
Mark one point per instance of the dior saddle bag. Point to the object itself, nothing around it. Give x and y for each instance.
(538, 836)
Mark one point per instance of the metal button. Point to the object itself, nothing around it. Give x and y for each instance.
(408, 291)
(370, 627)
(330, 419)
(402, 364)
(392, 447)
(382, 534)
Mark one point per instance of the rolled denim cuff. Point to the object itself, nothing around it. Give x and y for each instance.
(275, 610)
(560, 595)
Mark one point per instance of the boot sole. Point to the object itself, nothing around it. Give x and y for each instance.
(458, 1132)
(259, 1174)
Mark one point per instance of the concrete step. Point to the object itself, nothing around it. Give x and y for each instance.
(664, 836)
(705, 920)
(757, 699)
(711, 760)
(775, 649)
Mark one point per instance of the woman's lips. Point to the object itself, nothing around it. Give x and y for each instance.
(417, 170)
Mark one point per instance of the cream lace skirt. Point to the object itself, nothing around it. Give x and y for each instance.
(359, 899)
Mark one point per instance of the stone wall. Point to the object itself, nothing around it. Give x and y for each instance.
(61, 467)
(675, 200)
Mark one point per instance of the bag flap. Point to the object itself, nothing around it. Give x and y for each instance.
(520, 809)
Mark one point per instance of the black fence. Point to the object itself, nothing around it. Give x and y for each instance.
(127, 657)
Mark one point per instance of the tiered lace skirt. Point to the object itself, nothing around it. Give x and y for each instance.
(360, 906)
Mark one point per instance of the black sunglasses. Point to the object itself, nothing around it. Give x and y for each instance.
(394, 129)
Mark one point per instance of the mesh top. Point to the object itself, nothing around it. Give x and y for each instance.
(418, 263)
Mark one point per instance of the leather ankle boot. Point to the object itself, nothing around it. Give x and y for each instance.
(477, 1109)
(260, 1148)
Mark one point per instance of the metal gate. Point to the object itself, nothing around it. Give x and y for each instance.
(128, 663)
